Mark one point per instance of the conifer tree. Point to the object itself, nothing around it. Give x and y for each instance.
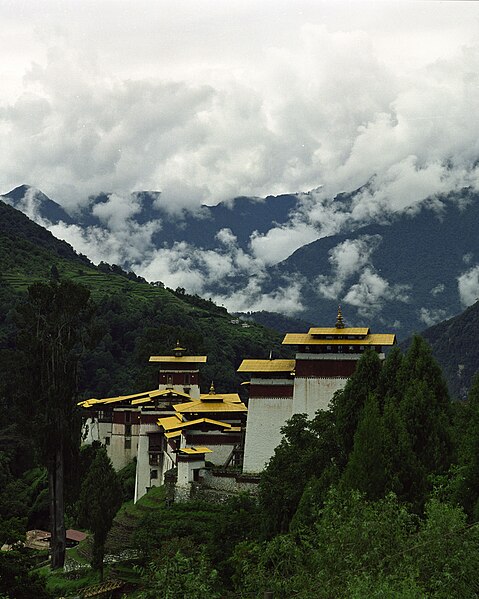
(468, 451)
(405, 476)
(348, 403)
(100, 499)
(390, 384)
(365, 470)
(52, 325)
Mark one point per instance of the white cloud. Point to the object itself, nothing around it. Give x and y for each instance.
(346, 259)
(371, 291)
(285, 299)
(468, 286)
(431, 317)
(439, 288)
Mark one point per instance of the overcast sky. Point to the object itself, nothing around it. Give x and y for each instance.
(208, 99)
(205, 100)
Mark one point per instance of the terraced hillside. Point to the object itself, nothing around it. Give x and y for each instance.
(135, 319)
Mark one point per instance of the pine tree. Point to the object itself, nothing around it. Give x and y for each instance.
(100, 499)
(347, 404)
(365, 470)
(51, 333)
(405, 476)
(468, 451)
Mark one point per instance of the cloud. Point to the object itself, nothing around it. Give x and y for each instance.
(119, 239)
(370, 293)
(431, 317)
(320, 101)
(286, 299)
(347, 259)
(468, 286)
(439, 288)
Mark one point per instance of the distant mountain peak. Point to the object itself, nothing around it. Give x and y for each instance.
(36, 205)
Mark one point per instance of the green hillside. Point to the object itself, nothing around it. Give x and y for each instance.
(134, 318)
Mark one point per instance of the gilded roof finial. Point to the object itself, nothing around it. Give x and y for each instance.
(212, 389)
(178, 350)
(339, 319)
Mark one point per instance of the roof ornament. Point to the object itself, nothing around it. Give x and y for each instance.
(212, 389)
(270, 354)
(339, 319)
(178, 350)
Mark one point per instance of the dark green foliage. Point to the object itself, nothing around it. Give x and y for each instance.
(16, 579)
(52, 332)
(376, 444)
(348, 403)
(357, 548)
(100, 499)
(172, 577)
(468, 453)
(126, 477)
(306, 450)
(199, 526)
(366, 467)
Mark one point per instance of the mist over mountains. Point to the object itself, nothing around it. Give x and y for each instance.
(298, 254)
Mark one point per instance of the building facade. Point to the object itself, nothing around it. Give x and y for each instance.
(325, 357)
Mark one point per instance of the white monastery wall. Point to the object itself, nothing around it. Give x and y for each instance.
(312, 394)
(266, 416)
(118, 451)
(143, 470)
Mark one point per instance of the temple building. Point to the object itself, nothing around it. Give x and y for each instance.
(325, 357)
(177, 429)
(174, 427)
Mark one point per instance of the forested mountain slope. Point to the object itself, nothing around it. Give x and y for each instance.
(134, 319)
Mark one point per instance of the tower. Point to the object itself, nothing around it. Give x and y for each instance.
(179, 372)
(325, 357)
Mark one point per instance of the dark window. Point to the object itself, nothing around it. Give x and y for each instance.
(187, 378)
(169, 380)
(127, 443)
(154, 474)
(107, 440)
(128, 417)
(127, 430)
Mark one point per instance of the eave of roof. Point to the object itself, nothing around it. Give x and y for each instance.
(179, 359)
(286, 366)
(306, 339)
(336, 331)
(210, 406)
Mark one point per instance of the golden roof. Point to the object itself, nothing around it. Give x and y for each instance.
(198, 359)
(307, 339)
(336, 331)
(195, 450)
(224, 397)
(170, 422)
(137, 398)
(173, 434)
(162, 393)
(193, 407)
(266, 366)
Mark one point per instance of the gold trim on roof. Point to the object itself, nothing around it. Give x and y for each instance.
(210, 406)
(169, 425)
(195, 450)
(136, 398)
(196, 359)
(335, 331)
(306, 339)
(267, 366)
